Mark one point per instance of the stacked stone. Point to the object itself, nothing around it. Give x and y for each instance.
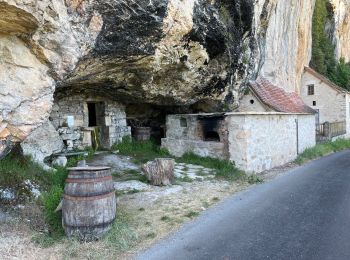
(71, 137)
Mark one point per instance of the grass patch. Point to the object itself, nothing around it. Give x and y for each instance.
(121, 237)
(50, 201)
(224, 168)
(215, 199)
(192, 214)
(165, 218)
(148, 150)
(151, 235)
(185, 178)
(129, 175)
(16, 169)
(323, 149)
(254, 179)
(141, 152)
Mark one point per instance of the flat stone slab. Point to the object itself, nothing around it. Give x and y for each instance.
(131, 185)
(118, 163)
(193, 172)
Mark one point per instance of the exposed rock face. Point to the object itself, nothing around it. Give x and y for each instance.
(167, 52)
(42, 142)
(341, 28)
(288, 41)
(39, 43)
(162, 52)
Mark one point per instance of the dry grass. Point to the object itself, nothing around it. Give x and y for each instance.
(136, 230)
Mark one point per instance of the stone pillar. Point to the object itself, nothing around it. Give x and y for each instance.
(327, 130)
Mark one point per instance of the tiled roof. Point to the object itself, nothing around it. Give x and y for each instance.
(278, 99)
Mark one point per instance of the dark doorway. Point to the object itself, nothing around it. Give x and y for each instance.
(92, 114)
(96, 113)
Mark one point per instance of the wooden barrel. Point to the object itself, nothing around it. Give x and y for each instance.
(142, 133)
(89, 204)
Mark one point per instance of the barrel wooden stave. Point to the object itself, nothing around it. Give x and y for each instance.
(89, 204)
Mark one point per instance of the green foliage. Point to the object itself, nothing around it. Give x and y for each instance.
(254, 179)
(323, 149)
(140, 151)
(341, 75)
(323, 55)
(224, 168)
(323, 52)
(192, 214)
(50, 201)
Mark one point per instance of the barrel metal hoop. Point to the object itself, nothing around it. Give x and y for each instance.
(78, 198)
(102, 225)
(93, 180)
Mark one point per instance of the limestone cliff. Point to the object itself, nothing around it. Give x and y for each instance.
(340, 31)
(163, 52)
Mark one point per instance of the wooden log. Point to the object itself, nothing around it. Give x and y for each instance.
(89, 203)
(160, 171)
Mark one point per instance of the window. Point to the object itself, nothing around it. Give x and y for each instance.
(183, 122)
(252, 101)
(314, 103)
(311, 89)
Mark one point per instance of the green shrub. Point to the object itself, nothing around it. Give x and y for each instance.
(50, 202)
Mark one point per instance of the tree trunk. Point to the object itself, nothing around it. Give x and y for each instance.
(160, 171)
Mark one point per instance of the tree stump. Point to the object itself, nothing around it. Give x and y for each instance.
(160, 171)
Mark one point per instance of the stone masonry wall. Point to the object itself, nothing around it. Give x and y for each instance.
(249, 103)
(114, 126)
(184, 134)
(330, 102)
(257, 141)
(261, 141)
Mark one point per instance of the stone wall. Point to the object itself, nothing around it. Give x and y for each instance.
(112, 123)
(261, 141)
(184, 133)
(256, 141)
(330, 102)
(249, 103)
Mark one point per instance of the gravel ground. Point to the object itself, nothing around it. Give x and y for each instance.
(155, 212)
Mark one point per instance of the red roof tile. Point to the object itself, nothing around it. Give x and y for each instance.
(278, 99)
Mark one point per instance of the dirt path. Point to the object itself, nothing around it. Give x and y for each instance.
(146, 216)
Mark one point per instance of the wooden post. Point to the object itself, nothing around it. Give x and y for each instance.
(160, 171)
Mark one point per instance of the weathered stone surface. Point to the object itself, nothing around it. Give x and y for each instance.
(42, 142)
(341, 28)
(164, 52)
(60, 161)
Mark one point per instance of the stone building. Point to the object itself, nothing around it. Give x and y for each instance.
(263, 96)
(85, 121)
(273, 130)
(331, 102)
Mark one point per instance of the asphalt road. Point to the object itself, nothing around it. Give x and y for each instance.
(304, 214)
